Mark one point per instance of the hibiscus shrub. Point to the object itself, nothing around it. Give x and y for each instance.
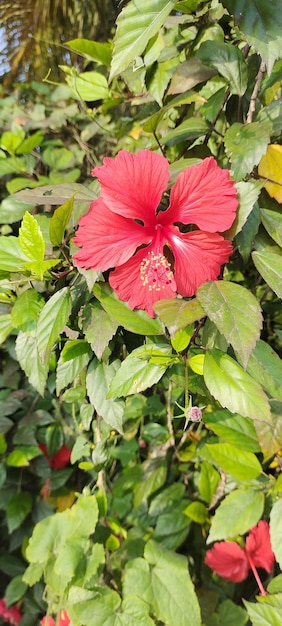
(140, 326)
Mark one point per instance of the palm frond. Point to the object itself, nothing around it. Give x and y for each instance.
(35, 32)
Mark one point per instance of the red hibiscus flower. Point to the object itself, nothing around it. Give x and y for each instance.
(58, 460)
(154, 253)
(233, 563)
(64, 620)
(10, 615)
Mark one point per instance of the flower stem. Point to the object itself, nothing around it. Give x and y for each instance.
(256, 575)
(186, 390)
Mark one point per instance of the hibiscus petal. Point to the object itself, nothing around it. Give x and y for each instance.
(141, 283)
(198, 257)
(203, 195)
(132, 184)
(47, 621)
(64, 619)
(107, 239)
(228, 560)
(258, 546)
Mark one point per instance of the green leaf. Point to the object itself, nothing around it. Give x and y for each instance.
(12, 165)
(30, 143)
(192, 128)
(197, 511)
(26, 309)
(265, 367)
(137, 580)
(15, 590)
(154, 473)
(174, 598)
(52, 321)
(51, 533)
(81, 448)
(187, 6)
(235, 312)
(182, 337)
(245, 145)
(136, 24)
(136, 321)
(177, 314)
(273, 113)
(70, 555)
(276, 531)
(92, 50)
(30, 362)
(18, 507)
(248, 193)
(261, 23)
(196, 362)
(264, 614)
(6, 326)
(38, 268)
(275, 585)
(270, 434)
(137, 373)
(173, 526)
(166, 498)
(98, 327)
(153, 121)
(59, 222)
(105, 609)
(233, 428)
(228, 60)
(22, 455)
(12, 258)
(245, 237)
(12, 210)
(54, 438)
(58, 158)
(74, 358)
(89, 86)
(16, 184)
(208, 481)
(269, 265)
(158, 77)
(73, 349)
(234, 388)
(239, 463)
(239, 511)
(189, 74)
(12, 139)
(215, 103)
(230, 614)
(33, 574)
(98, 381)
(272, 221)
(30, 238)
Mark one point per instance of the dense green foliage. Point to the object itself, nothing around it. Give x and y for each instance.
(118, 534)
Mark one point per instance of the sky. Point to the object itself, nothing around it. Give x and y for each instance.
(3, 66)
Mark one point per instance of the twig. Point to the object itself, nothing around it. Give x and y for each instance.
(162, 149)
(170, 415)
(101, 478)
(256, 90)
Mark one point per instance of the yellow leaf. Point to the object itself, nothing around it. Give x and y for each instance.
(270, 167)
(65, 502)
(135, 132)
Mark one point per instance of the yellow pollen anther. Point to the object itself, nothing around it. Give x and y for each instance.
(155, 271)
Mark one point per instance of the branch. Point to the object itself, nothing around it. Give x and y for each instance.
(256, 90)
